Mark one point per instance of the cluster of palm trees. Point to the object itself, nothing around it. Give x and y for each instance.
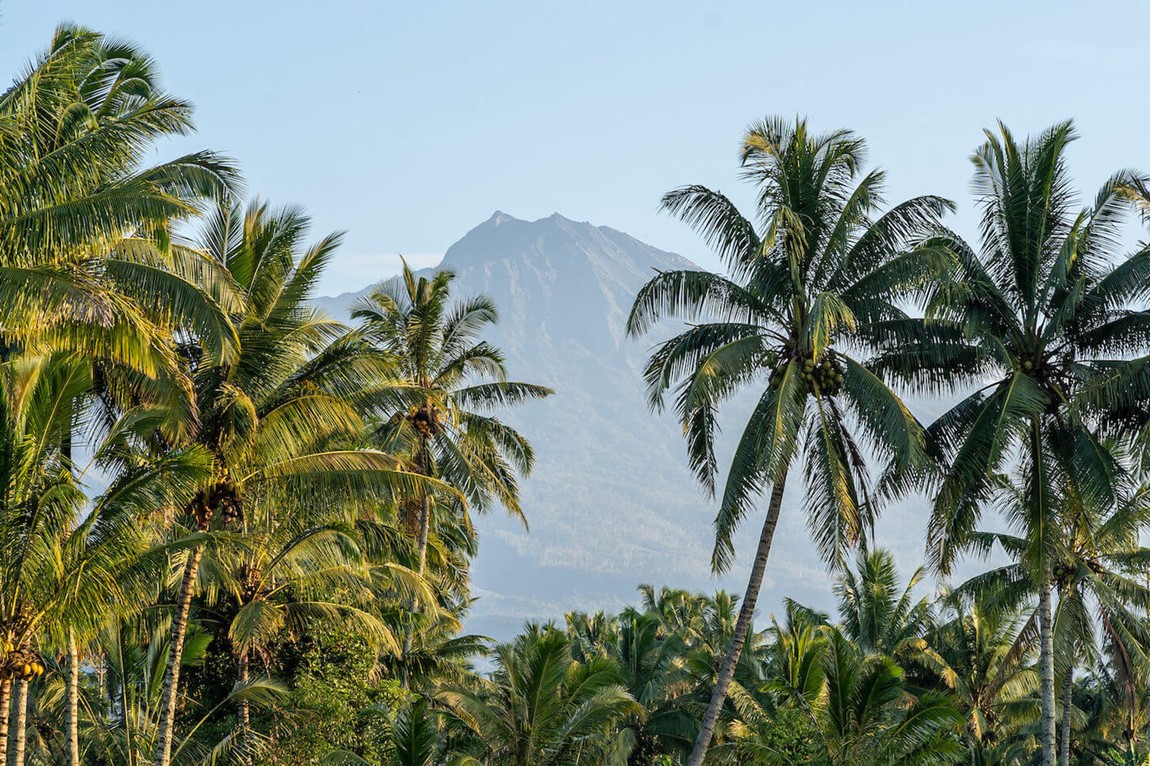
(891, 678)
(233, 529)
(1038, 334)
(195, 463)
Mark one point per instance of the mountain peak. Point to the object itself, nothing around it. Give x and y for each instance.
(555, 245)
(499, 217)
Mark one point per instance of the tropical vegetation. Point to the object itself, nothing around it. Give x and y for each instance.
(234, 529)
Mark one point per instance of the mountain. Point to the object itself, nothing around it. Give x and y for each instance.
(611, 503)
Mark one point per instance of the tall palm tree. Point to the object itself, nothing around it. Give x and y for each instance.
(39, 505)
(820, 276)
(1029, 321)
(449, 383)
(62, 570)
(274, 417)
(541, 708)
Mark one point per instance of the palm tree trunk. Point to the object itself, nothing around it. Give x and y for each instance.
(245, 708)
(5, 714)
(424, 529)
(166, 726)
(1046, 662)
(424, 532)
(20, 738)
(1067, 707)
(245, 756)
(742, 627)
(73, 707)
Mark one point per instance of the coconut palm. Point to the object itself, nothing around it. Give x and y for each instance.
(300, 566)
(711, 621)
(1097, 574)
(1114, 702)
(274, 419)
(817, 277)
(866, 715)
(449, 382)
(541, 708)
(879, 618)
(39, 505)
(985, 648)
(1029, 321)
(123, 721)
(651, 662)
(775, 717)
(87, 262)
(62, 572)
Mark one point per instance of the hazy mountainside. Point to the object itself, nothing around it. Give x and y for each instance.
(611, 503)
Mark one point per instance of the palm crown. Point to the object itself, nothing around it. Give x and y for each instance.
(824, 274)
(86, 257)
(448, 384)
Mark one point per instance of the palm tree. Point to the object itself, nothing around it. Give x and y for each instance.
(541, 708)
(38, 506)
(705, 625)
(449, 384)
(1114, 702)
(877, 617)
(985, 648)
(123, 723)
(447, 378)
(1096, 573)
(651, 662)
(1028, 322)
(866, 715)
(299, 566)
(86, 258)
(61, 572)
(823, 272)
(274, 417)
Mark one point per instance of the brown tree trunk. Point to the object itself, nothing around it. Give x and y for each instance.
(742, 627)
(5, 715)
(21, 732)
(166, 726)
(1048, 739)
(73, 705)
(1067, 708)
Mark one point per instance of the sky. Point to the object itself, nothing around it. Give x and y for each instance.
(407, 124)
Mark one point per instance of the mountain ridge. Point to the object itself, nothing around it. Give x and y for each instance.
(612, 502)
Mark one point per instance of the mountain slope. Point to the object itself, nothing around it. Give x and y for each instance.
(611, 503)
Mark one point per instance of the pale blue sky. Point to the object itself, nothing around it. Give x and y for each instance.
(408, 123)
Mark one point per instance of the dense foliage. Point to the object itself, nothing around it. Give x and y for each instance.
(234, 530)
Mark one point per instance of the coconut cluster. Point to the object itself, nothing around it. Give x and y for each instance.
(21, 664)
(425, 418)
(820, 376)
(1063, 574)
(223, 496)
